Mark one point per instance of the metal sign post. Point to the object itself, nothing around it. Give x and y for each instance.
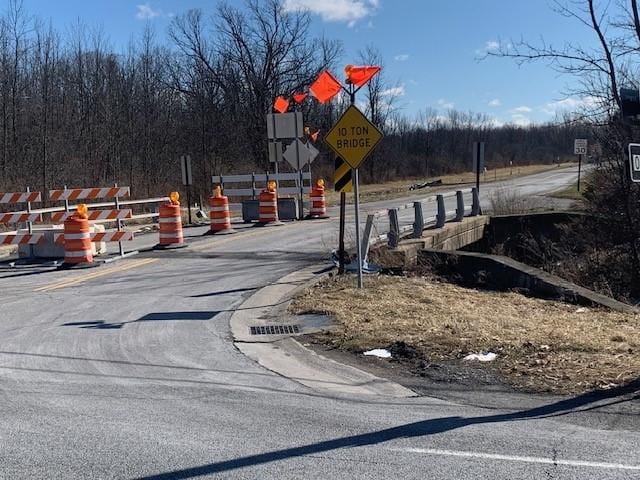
(478, 161)
(353, 138)
(580, 148)
(187, 180)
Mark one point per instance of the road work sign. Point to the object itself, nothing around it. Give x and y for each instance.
(353, 137)
(580, 146)
(634, 161)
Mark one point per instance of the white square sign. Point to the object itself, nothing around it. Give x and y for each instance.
(580, 146)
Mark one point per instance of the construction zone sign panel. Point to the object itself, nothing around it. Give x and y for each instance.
(353, 137)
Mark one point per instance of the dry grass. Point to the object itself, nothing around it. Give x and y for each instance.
(541, 345)
(400, 188)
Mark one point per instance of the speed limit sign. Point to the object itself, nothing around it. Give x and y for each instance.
(634, 161)
(580, 146)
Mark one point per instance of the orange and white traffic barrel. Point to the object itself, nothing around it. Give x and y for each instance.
(219, 213)
(78, 249)
(171, 224)
(268, 206)
(318, 202)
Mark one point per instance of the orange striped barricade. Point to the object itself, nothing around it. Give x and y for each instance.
(219, 214)
(268, 206)
(21, 238)
(171, 225)
(28, 217)
(318, 202)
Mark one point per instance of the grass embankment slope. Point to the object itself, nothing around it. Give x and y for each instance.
(541, 345)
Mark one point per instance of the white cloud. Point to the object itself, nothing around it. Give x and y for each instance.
(522, 109)
(446, 105)
(570, 104)
(520, 120)
(349, 11)
(403, 57)
(495, 103)
(393, 92)
(491, 45)
(145, 12)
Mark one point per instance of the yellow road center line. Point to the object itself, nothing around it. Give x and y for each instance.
(100, 273)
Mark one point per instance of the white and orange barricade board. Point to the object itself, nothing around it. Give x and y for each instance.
(20, 217)
(99, 237)
(20, 197)
(94, 215)
(21, 238)
(88, 193)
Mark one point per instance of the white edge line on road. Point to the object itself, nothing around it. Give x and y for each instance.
(518, 458)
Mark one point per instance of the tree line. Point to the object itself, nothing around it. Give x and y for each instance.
(75, 112)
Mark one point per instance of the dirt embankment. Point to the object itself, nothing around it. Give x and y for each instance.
(540, 345)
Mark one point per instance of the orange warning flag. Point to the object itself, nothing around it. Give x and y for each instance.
(281, 104)
(359, 76)
(325, 87)
(299, 97)
(314, 136)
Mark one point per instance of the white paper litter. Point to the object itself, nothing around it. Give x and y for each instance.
(582, 310)
(379, 352)
(481, 357)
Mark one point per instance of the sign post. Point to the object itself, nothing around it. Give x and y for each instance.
(478, 161)
(353, 138)
(580, 149)
(187, 180)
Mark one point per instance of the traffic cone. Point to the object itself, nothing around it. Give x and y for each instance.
(318, 203)
(78, 250)
(268, 206)
(171, 224)
(219, 214)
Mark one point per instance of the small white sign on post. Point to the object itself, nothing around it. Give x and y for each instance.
(634, 161)
(580, 146)
(187, 178)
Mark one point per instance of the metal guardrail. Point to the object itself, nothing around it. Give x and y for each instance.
(420, 222)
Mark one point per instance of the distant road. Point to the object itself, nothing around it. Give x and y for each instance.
(129, 370)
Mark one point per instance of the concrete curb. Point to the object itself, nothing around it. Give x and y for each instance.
(288, 357)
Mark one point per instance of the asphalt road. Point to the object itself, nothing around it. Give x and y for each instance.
(129, 371)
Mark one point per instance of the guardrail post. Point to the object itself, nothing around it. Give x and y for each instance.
(459, 206)
(366, 238)
(418, 223)
(475, 206)
(394, 228)
(118, 222)
(441, 216)
(253, 186)
(29, 225)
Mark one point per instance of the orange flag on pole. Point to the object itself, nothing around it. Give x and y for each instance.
(325, 87)
(299, 97)
(281, 104)
(359, 76)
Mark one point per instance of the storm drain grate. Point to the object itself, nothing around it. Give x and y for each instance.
(275, 330)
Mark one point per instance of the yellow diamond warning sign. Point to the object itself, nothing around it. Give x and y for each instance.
(353, 137)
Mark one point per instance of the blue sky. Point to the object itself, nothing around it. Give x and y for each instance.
(430, 47)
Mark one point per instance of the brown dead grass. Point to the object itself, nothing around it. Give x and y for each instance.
(400, 188)
(541, 345)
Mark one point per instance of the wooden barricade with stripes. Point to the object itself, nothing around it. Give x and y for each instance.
(27, 217)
